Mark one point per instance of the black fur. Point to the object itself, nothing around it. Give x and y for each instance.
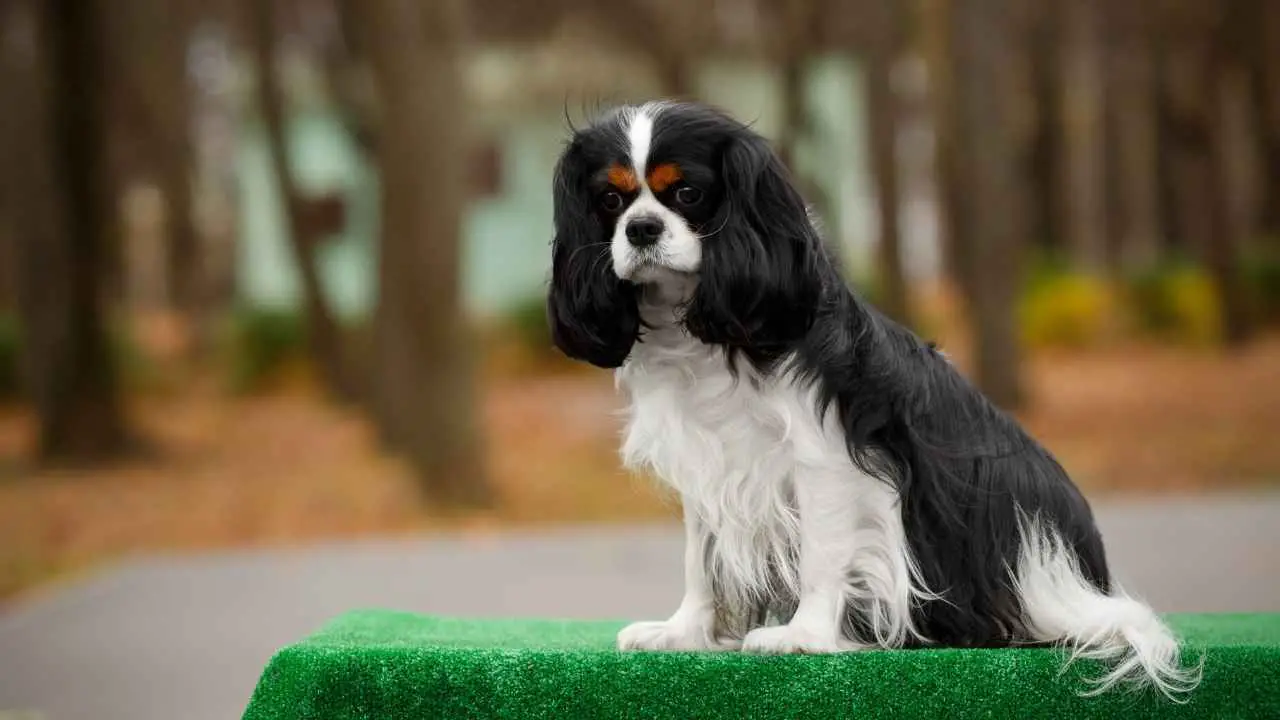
(758, 286)
(592, 312)
(964, 469)
(769, 290)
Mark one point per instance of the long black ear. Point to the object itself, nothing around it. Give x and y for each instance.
(759, 281)
(593, 314)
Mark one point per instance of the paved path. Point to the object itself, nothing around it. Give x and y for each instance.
(184, 637)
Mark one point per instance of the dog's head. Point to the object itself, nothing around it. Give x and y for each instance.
(678, 195)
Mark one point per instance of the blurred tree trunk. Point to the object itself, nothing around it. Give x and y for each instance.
(1132, 109)
(18, 135)
(323, 333)
(8, 259)
(175, 174)
(148, 45)
(346, 66)
(171, 119)
(669, 32)
(674, 72)
(12, 97)
(887, 36)
(1205, 88)
(425, 396)
(793, 54)
(1266, 78)
(64, 236)
(986, 159)
(793, 111)
(1230, 146)
(151, 136)
(678, 26)
(1083, 162)
(937, 18)
(1185, 109)
(1042, 152)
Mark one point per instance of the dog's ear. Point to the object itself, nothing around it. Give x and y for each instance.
(759, 282)
(593, 314)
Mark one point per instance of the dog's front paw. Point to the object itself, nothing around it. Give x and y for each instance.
(673, 634)
(791, 639)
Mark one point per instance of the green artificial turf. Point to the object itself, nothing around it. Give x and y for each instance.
(397, 666)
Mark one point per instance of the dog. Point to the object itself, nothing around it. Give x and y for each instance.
(843, 486)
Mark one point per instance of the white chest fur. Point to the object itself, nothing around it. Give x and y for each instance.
(746, 452)
(730, 445)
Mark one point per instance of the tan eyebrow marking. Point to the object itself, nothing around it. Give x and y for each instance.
(664, 176)
(623, 178)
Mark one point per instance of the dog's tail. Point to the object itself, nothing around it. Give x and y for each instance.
(1060, 606)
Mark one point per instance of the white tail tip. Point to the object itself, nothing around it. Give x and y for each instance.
(1060, 606)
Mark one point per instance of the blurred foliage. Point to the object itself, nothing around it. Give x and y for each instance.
(260, 344)
(137, 369)
(1177, 303)
(867, 286)
(1067, 310)
(520, 341)
(1262, 277)
(528, 322)
(870, 289)
(1061, 308)
(8, 357)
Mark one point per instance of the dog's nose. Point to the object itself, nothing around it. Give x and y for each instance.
(644, 231)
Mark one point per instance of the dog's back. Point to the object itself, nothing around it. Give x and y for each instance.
(1003, 539)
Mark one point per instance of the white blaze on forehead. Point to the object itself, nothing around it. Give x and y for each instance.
(678, 248)
(640, 134)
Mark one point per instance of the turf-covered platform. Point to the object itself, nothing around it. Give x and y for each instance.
(397, 666)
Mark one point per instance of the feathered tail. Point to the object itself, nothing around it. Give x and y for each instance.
(1061, 606)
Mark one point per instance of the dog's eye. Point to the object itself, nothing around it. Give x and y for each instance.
(611, 201)
(688, 195)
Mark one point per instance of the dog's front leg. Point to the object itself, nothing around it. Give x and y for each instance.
(826, 502)
(694, 624)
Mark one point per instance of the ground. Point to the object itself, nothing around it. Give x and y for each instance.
(287, 467)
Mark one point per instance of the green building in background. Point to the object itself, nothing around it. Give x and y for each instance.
(507, 231)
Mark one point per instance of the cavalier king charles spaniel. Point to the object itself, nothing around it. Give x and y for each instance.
(842, 485)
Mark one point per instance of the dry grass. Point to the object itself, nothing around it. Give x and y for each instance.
(1145, 419)
(287, 468)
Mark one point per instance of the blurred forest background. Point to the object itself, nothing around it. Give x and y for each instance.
(274, 271)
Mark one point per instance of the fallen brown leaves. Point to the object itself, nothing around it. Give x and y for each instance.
(287, 468)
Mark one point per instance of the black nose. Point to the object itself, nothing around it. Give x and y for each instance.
(644, 231)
